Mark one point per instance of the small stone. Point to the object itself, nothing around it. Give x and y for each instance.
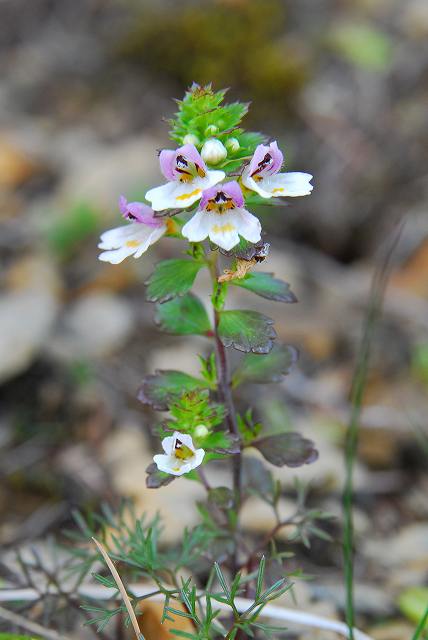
(97, 325)
(26, 320)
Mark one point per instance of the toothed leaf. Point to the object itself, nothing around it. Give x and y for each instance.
(171, 278)
(246, 331)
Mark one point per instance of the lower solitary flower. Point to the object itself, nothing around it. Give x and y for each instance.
(221, 217)
(180, 455)
(134, 238)
(262, 175)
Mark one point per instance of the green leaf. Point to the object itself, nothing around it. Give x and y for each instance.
(260, 577)
(183, 316)
(413, 602)
(156, 478)
(246, 331)
(289, 449)
(184, 634)
(171, 278)
(263, 369)
(163, 388)
(266, 286)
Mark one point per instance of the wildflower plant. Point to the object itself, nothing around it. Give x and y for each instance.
(213, 178)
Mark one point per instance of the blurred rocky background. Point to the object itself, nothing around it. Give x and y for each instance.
(343, 86)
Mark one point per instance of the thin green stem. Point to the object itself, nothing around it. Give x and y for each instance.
(421, 626)
(380, 280)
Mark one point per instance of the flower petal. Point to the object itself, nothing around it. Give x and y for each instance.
(174, 195)
(258, 155)
(190, 152)
(114, 238)
(223, 230)
(154, 236)
(288, 184)
(185, 439)
(255, 185)
(131, 239)
(171, 464)
(197, 228)
(163, 462)
(167, 163)
(199, 456)
(180, 195)
(116, 256)
(248, 225)
(168, 444)
(212, 178)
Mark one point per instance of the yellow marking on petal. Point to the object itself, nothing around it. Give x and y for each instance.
(278, 190)
(223, 228)
(201, 172)
(133, 243)
(181, 451)
(186, 196)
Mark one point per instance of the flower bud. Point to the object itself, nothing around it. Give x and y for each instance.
(201, 431)
(213, 151)
(211, 130)
(232, 145)
(190, 138)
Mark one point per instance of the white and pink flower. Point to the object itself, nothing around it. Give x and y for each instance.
(222, 217)
(262, 175)
(187, 176)
(134, 238)
(180, 455)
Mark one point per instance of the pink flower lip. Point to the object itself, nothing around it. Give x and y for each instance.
(138, 212)
(228, 190)
(267, 160)
(173, 163)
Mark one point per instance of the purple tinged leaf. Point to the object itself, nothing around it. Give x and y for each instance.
(156, 478)
(265, 285)
(246, 331)
(287, 449)
(161, 389)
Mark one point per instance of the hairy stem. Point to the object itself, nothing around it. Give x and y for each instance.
(225, 393)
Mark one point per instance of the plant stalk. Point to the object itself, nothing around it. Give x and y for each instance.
(225, 393)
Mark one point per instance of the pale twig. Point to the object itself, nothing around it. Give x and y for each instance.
(122, 590)
(28, 625)
(273, 612)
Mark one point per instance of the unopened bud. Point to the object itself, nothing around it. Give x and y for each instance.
(232, 145)
(190, 138)
(201, 431)
(211, 130)
(213, 151)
